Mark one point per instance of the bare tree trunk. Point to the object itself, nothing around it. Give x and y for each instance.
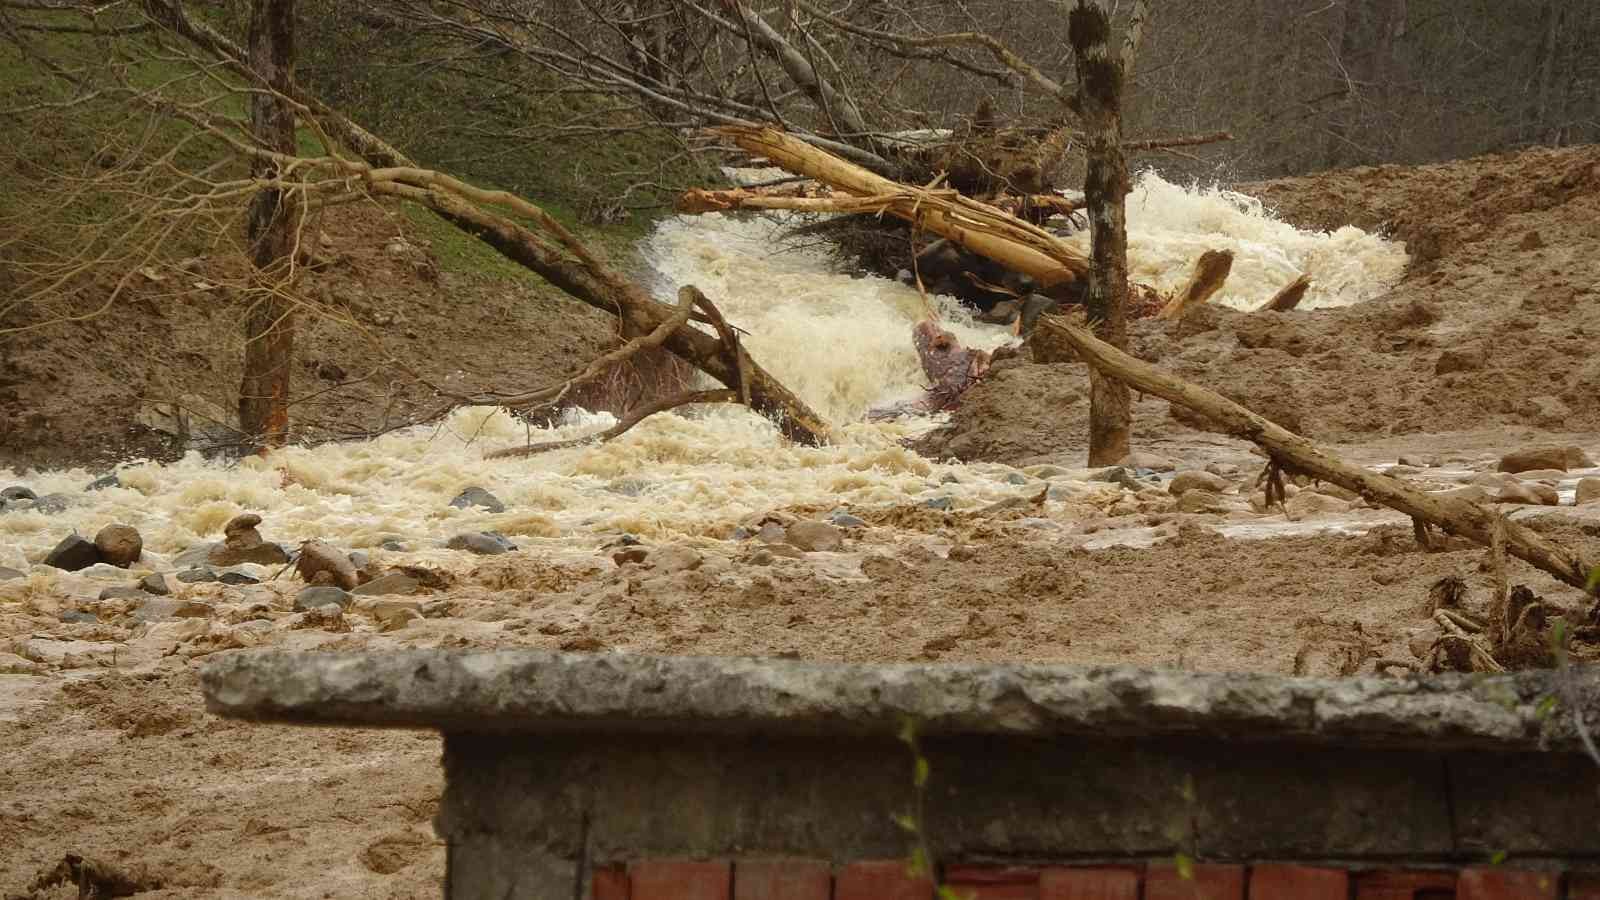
(1100, 83)
(271, 228)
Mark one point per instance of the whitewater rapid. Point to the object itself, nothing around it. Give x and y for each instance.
(841, 342)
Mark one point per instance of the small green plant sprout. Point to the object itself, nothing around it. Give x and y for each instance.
(921, 863)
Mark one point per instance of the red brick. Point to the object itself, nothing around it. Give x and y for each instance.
(994, 890)
(991, 875)
(1507, 884)
(782, 879)
(1277, 882)
(1209, 883)
(609, 884)
(679, 879)
(1405, 885)
(1089, 884)
(879, 880)
(1583, 887)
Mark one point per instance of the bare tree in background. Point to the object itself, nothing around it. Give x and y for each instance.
(272, 224)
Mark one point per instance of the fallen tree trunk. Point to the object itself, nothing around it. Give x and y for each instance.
(1296, 454)
(979, 227)
(569, 266)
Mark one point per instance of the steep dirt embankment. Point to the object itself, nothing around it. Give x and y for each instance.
(1496, 322)
(392, 315)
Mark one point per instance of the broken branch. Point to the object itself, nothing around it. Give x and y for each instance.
(1454, 515)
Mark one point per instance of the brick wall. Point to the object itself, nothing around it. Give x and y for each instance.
(802, 879)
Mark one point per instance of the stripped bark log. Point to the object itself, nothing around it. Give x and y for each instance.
(1289, 297)
(1210, 272)
(979, 227)
(1294, 453)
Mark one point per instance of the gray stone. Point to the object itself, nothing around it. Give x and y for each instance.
(483, 543)
(9, 574)
(197, 575)
(119, 545)
(73, 553)
(237, 577)
(103, 482)
(123, 593)
(940, 503)
(154, 609)
(17, 492)
(360, 559)
(51, 504)
(391, 583)
(155, 583)
(1149, 461)
(815, 536)
(1183, 482)
(846, 520)
(193, 556)
(79, 617)
(392, 545)
(540, 692)
(477, 496)
(314, 597)
(1016, 478)
(772, 533)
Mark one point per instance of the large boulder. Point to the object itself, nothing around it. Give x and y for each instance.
(119, 545)
(1529, 458)
(75, 552)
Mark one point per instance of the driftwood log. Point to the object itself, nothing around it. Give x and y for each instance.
(979, 227)
(1297, 454)
(1289, 297)
(1210, 272)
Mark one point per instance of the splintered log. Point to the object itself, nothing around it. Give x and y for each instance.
(978, 227)
(1210, 271)
(1289, 297)
(1293, 453)
(697, 202)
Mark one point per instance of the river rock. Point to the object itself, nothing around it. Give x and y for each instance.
(323, 563)
(1140, 459)
(197, 575)
(242, 543)
(1472, 493)
(237, 577)
(103, 482)
(390, 583)
(842, 519)
(75, 552)
(1588, 492)
(154, 609)
(319, 596)
(17, 492)
(79, 617)
(193, 556)
(10, 574)
(155, 583)
(1562, 458)
(772, 533)
(1200, 501)
(940, 503)
(119, 545)
(676, 558)
(1308, 503)
(477, 496)
(194, 609)
(815, 536)
(1531, 493)
(627, 555)
(1183, 482)
(483, 543)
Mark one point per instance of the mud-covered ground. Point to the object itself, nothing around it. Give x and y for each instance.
(1484, 348)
